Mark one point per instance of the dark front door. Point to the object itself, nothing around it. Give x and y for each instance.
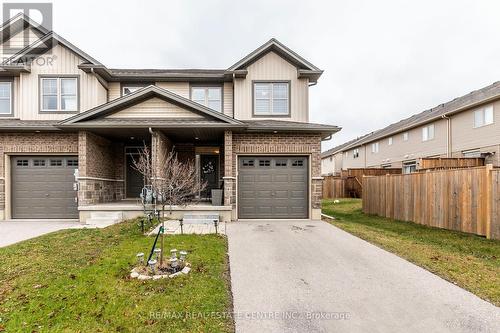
(209, 168)
(135, 180)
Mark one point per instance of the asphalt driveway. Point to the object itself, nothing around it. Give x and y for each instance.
(309, 276)
(15, 231)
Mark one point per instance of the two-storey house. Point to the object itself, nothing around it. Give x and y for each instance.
(467, 126)
(70, 128)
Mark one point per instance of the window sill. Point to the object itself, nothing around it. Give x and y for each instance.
(271, 115)
(493, 123)
(57, 112)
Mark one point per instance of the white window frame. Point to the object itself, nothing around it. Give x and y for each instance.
(271, 98)
(11, 111)
(205, 102)
(406, 136)
(135, 87)
(389, 141)
(355, 153)
(59, 93)
(428, 132)
(375, 147)
(482, 111)
(407, 167)
(472, 153)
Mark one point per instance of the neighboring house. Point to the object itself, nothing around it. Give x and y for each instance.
(71, 127)
(468, 126)
(332, 159)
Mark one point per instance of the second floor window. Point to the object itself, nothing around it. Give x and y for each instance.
(428, 133)
(355, 153)
(131, 89)
(406, 135)
(375, 147)
(209, 96)
(59, 94)
(389, 141)
(5, 98)
(271, 99)
(483, 117)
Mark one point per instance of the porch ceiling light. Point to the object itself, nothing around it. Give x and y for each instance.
(132, 138)
(196, 138)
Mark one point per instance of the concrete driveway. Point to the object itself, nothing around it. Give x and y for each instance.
(15, 231)
(313, 277)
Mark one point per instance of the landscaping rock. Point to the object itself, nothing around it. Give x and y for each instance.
(175, 274)
(186, 270)
(157, 277)
(134, 274)
(144, 277)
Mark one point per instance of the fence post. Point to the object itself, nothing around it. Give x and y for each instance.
(489, 198)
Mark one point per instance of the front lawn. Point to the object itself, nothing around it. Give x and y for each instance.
(78, 281)
(470, 261)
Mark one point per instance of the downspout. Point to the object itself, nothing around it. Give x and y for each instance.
(365, 155)
(448, 135)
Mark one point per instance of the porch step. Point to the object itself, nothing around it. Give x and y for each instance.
(200, 218)
(102, 219)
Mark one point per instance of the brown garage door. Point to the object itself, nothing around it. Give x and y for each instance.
(42, 187)
(272, 187)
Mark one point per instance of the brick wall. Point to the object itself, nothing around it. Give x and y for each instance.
(264, 143)
(43, 143)
(101, 166)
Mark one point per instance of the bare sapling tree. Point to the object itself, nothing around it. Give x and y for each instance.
(173, 182)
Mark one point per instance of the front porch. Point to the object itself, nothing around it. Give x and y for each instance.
(129, 208)
(109, 185)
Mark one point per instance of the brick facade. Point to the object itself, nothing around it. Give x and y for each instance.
(29, 143)
(101, 169)
(283, 143)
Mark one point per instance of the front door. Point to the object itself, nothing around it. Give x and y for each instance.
(134, 179)
(209, 169)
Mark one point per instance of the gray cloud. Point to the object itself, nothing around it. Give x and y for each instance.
(383, 60)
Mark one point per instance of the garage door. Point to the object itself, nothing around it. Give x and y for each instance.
(42, 187)
(272, 187)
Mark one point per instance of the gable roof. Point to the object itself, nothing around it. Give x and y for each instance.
(141, 95)
(47, 40)
(18, 23)
(341, 147)
(474, 98)
(274, 45)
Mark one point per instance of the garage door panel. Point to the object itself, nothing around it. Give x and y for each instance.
(43, 191)
(281, 178)
(277, 187)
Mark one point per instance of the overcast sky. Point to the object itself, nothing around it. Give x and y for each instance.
(383, 60)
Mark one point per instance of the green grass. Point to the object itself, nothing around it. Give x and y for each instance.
(78, 281)
(470, 261)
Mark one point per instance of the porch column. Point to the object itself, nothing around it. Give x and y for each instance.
(161, 145)
(229, 173)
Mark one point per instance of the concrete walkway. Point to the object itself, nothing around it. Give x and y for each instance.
(308, 276)
(15, 231)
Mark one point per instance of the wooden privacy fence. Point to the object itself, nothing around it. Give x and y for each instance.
(466, 200)
(449, 163)
(349, 183)
(333, 187)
